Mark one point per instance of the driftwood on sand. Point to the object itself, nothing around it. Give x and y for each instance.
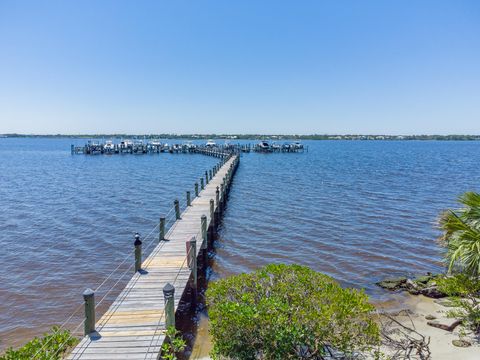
(401, 341)
(445, 327)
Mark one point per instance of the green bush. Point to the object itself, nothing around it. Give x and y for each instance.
(288, 312)
(173, 344)
(51, 346)
(464, 292)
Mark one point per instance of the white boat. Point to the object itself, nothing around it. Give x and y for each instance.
(210, 143)
(189, 145)
(264, 145)
(109, 146)
(297, 145)
(275, 146)
(125, 144)
(155, 142)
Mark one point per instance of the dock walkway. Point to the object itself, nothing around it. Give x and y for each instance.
(134, 325)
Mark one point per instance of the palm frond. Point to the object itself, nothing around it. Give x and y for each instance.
(461, 236)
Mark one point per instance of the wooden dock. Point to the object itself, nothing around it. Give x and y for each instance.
(134, 325)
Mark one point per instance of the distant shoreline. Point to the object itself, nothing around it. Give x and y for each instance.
(254, 137)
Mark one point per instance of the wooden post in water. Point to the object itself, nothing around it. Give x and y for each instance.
(72, 149)
(89, 298)
(162, 229)
(196, 189)
(138, 252)
(169, 296)
(206, 177)
(177, 209)
(201, 184)
(189, 202)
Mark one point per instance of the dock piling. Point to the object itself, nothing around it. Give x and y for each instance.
(89, 298)
(206, 177)
(168, 294)
(138, 252)
(189, 202)
(196, 189)
(201, 184)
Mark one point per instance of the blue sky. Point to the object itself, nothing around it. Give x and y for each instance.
(298, 67)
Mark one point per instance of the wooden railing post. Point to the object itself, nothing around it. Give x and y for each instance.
(212, 212)
(138, 252)
(206, 177)
(196, 189)
(210, 174)
(162, 229)
(89, 298)
(192, 262)
(201, 184)
(189, 202)
(177, 209)
(204, 228)
(217, 196)
(169, 296)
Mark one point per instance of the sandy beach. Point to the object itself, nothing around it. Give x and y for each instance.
(441, 347)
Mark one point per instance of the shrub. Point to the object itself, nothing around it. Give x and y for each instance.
(464, 292)
(173, 344)
(51, 346)
(288, 312)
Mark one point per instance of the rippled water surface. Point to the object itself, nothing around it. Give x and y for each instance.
(357, 211)
(67, 221)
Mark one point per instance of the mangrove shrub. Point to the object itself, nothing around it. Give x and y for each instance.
(52, 346)
(288, 312)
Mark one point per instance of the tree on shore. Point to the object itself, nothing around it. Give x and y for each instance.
(461, 236)
(461, 240)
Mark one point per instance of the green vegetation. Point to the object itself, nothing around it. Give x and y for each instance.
(288, 312)
(173, 344)
(52, 346)
(463, 292)
(462, 235)
(461, 240)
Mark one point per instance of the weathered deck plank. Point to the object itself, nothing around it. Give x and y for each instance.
(134, 325)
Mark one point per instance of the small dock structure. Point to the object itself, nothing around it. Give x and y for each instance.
(135, 324)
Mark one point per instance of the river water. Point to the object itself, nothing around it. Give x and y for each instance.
(355, 210)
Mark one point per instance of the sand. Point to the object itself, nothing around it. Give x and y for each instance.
(441, 346)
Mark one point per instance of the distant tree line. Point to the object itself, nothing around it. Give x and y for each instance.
(255, 136)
